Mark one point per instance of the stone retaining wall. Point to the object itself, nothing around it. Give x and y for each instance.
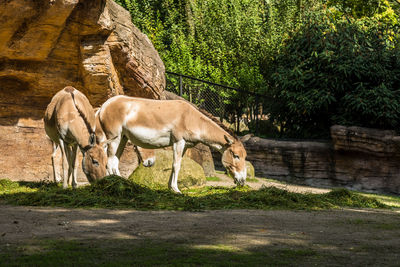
(355, 158)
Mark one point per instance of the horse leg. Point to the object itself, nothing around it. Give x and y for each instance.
(56, 177)
(68, 154)
(64, 164)
(178, 150)
(121, 146)
(113, 160)
(149, 157)
(74, 165)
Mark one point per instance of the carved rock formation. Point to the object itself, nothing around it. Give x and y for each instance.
(49, 44)
(202, 155)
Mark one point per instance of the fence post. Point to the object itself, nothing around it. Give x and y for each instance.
(180, 86)
(256, 115)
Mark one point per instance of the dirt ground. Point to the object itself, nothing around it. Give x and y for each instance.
(341, 237)
(227, 182)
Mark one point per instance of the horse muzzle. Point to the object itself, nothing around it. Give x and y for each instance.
(240, 177)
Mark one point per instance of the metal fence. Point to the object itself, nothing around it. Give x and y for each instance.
(240, 109)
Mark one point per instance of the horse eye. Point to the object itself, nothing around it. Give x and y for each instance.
(95, 162)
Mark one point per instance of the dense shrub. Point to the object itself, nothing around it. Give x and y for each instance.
(336, 71)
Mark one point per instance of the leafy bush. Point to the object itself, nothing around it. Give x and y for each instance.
(343, 71)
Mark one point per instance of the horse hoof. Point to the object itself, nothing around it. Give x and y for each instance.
(176, 190)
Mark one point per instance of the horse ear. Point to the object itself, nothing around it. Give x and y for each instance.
(229, 140)
(105, 143)
(92, 139)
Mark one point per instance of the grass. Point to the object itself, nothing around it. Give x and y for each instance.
(145, 253)
(213, 179)
(252, 180)
(117, 192)
(365, 223)
(393, 201)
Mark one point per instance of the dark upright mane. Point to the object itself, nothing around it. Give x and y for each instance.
(218, 122)
(172, 96)
(82, 114)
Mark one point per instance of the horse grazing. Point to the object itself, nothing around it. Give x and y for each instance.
(69, 122)
(161, 123)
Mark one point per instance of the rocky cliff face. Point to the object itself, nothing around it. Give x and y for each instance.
(90, 45)
(46, 45)
(355, 157)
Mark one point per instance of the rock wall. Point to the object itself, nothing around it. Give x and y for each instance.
(355, 157)
(202, 155)
(49, 44)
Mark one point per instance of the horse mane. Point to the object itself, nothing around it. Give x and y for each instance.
(218, 122)
(172, 96)
(81, 113)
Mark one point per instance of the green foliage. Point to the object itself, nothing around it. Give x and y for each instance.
(320, 61)
(362, 8)
(336, 72)
(218, 40)
(117, 192)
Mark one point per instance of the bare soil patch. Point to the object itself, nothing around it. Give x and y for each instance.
(228, 182)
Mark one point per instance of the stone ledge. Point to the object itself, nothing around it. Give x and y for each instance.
(356, 158)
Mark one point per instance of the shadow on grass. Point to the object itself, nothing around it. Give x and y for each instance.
(40, 184)
(148, 253)
(117, 192)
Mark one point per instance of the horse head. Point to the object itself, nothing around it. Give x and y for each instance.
(94, 160)
(234, 160)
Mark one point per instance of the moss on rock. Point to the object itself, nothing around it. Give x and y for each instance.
(190, 175)
(250, 170)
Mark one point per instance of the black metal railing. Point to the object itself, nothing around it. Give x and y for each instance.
(239, 108)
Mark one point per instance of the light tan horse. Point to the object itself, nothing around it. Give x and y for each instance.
(69, 122)
(161, 123)
(145, 156)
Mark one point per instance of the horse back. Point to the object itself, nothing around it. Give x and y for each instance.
(63, 119)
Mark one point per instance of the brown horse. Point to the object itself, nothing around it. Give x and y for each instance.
(69, 122)
(161, 123)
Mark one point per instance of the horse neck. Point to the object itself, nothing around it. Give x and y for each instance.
(214, 136)
(83, 139)
(100, 135)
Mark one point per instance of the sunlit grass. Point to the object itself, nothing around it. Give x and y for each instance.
(252, 180)
(213, 179)
(117, 192)
(393, 201)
